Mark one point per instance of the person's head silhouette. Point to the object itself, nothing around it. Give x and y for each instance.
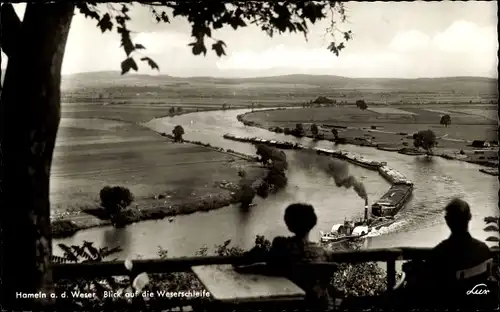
(300, 219)
(458, 216)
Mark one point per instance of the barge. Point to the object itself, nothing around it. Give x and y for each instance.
(275, 143)
(365, 163)
(392, 201)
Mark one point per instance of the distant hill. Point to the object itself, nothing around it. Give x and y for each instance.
(459, 84)
(113, 79)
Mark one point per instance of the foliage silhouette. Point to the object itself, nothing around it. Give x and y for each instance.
(361, 104)
(178, 132)
(298, 131)
(314, 131)
(445, 120)
(425, 139)
(276, 160)
(115, 199)
(278, 18)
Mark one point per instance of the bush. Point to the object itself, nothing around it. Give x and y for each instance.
(425, 139)
(445, 120)
(276, 178)
(314, 130)
(298, 131)
(115, 199)
(178, 132)
(263, 190)
(323, 100)
(361, 104)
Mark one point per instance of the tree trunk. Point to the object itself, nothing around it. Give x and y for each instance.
(30, 108)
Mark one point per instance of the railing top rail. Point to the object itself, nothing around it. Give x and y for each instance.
(116, 268)
(110, 268)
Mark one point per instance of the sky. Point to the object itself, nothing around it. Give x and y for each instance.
(391, 39)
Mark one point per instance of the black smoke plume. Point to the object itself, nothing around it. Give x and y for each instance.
(337, 169)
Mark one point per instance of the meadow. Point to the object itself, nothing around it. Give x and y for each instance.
(393, 126)
(93, 151)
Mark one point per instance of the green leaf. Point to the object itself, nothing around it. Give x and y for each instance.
(128, 64)
(105, 23)
(218, 47)
(151, 63)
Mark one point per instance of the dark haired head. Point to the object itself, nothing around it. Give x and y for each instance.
(300, 219)
(458, 215)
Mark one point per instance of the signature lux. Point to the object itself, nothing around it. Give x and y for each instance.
(479, 289)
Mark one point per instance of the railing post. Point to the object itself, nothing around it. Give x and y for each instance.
(391, 274)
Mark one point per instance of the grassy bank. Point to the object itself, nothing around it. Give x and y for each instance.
(68, 226)
(391, 130)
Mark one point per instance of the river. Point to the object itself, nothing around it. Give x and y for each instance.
(420, 223)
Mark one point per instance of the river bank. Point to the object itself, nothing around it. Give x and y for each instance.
(162, 205)
(364, 137)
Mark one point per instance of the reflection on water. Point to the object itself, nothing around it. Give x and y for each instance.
(420, 224)
(113, 237)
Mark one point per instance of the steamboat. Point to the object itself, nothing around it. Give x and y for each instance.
(352, 230)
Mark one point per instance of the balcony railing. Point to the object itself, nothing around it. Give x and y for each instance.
(117, 268)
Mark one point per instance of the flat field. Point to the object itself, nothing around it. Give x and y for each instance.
(394, 125)
(94, 152)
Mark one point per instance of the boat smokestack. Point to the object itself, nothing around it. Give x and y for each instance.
(366, 211)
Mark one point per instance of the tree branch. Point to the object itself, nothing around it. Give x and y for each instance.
(11, 28)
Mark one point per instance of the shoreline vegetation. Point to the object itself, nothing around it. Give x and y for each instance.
(358, 141)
